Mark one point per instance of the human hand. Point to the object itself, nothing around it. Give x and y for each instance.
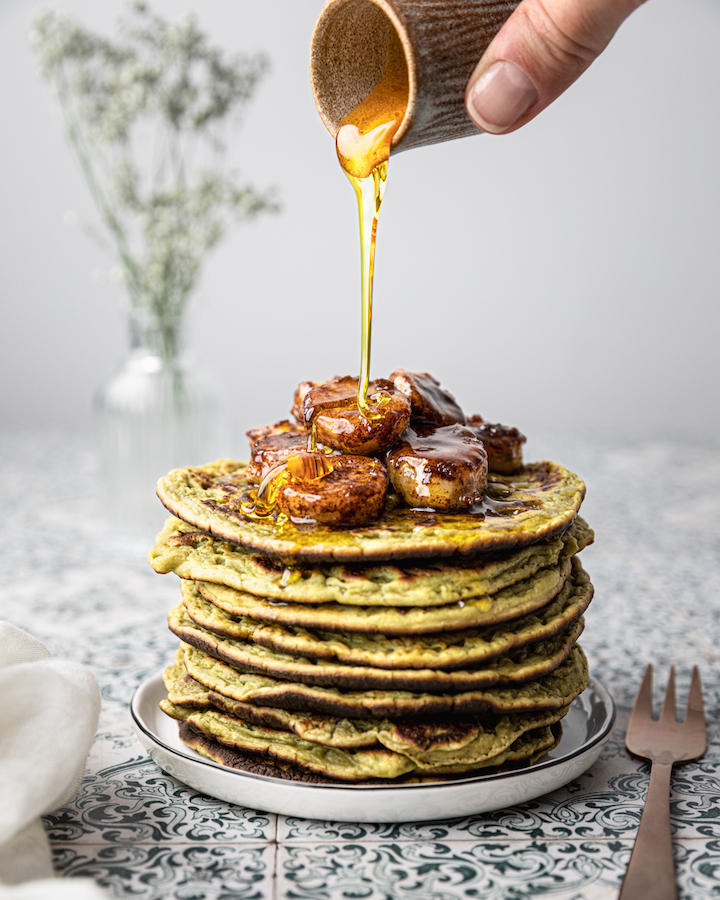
(539, 52)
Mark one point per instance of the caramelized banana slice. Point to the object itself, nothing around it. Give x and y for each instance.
(439, 466)
(502, 443)
(332, 409)
(429, 402)
(278, 428)
(350, 495)
(271, 450)
(300, 393)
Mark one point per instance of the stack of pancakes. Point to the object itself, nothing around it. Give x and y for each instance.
(424, 646)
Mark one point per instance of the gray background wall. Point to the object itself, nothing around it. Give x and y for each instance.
(562, 278)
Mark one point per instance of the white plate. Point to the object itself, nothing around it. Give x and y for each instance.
(586, 729)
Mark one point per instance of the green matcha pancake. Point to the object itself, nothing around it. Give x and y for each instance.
(409, 737)
(431, 742)
(552, 691)
(539, 503)
(508, 604)
(514, 667)
(526, 750)
(486, 748)
(192, 554)
(449, 651)
(182, 688)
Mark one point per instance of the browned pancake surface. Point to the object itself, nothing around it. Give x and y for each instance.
(540, 502)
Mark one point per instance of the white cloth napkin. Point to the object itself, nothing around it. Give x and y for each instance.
(49, 712)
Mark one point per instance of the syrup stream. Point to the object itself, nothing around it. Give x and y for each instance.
(363, 148)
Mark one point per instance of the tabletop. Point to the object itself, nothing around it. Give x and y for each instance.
(90, 596)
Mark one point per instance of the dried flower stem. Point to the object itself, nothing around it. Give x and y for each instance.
(163, 84)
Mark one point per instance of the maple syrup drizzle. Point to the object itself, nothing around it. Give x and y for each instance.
(363, 148)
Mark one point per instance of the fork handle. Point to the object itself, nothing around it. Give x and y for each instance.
(651, 872)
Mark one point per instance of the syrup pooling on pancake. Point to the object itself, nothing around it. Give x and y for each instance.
(538, 503)
(363, 147)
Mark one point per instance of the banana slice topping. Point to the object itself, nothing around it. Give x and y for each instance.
(330, 411)
(429, 402)
(504, 445)
(439, 467)
(352, 493)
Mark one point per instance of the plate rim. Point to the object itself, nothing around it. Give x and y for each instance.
(595, 685)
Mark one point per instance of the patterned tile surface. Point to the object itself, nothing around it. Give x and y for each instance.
(140, 833)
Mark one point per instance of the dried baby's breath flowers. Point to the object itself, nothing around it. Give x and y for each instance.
(146, 113)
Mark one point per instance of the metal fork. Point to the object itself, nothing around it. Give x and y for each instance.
(651, 872)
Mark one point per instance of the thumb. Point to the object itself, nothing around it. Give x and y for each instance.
(539, 52)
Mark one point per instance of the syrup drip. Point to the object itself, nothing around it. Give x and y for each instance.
(309, 466)
(363, 148)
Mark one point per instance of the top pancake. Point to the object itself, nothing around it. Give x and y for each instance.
(538, 503)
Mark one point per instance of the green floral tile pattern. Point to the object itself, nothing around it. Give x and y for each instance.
(181, 871)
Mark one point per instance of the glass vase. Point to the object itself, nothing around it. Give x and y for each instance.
(157, 412)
